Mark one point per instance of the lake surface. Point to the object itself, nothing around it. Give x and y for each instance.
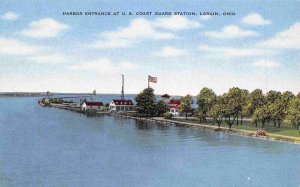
(52, 147)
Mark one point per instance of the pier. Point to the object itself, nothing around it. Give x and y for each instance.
(163, 121)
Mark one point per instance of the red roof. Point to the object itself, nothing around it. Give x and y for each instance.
(165, 96)
(122, 102)
(91, 103)
(174, 103)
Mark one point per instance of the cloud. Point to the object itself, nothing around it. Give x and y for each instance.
(230, 32)
(44, 28)
(191, 82)
(255, 19)
(11, 16)
(110, 43)
(101, 65)
(15, 47)
(126, 65)
(232, 52)
(170, 51)
(35, 53)
(205, 17)
(138, 30)
(286, 39)
(104, 66)
(71, 82)
(49, 58)
(176, 23)
(266, 64)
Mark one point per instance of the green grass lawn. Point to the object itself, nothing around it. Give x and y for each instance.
(284, 130)
(287, 132)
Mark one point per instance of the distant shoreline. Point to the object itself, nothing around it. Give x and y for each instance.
(37, 94)
(22, 94)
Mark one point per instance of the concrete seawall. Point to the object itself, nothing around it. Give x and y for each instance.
(239, 132)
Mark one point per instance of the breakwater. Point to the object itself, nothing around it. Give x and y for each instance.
(239, 132)
(161, 120)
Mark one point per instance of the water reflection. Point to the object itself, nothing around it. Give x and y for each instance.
(148, 125)
(211, 138)
(52, 147)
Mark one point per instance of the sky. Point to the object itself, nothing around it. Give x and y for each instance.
(43, 50)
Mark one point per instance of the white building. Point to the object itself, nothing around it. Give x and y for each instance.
(92, 105)
(121, 105)
(174, 106)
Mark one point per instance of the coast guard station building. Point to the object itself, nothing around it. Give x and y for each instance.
(88, 105)
(172, 103)
(174, 106)
(121, 105)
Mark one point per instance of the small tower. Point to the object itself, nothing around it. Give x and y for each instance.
(122, 92)
(94, 92)
(48, 94)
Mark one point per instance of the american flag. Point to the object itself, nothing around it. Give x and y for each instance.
(152, 79)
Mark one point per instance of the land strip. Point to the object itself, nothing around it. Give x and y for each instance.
(176, 122)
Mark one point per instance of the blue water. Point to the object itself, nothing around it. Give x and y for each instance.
(52, 147)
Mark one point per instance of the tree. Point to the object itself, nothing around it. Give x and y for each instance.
(146, 102)
(255, 118)
(245, 110)
(229, 109)
(275, 106)
(205, 100)
(217, 111)
(256, 99)
(278, 105)
(233, 100)
(288, 96)
(261, 114)
(272, 96)
(161, 108)
(293, 112)
(199, 114)
(277, 112)
(186, 105)
(56, 100)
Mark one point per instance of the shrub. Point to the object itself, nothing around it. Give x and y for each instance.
(261, 133)
(168, 115)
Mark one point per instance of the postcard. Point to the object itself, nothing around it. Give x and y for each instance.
(149, 93)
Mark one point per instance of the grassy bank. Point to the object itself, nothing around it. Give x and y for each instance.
(284, 130)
